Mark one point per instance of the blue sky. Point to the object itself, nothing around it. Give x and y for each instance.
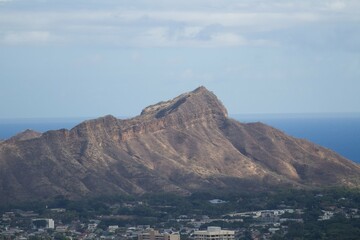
(88, 58)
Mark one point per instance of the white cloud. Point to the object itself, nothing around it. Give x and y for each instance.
(119, 18)
(229, 39)
(153, 37)
(336, 5)
(160, 24)
(26, 37)
(192, 37)
(232, 19)
(191, 32)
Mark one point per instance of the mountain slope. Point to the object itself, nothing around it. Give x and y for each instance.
(182, 145)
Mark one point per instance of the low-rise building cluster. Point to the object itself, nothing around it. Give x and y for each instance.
(259, 224)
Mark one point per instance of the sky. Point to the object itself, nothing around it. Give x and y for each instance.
(89, 58)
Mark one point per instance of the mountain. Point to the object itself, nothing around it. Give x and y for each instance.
(183, 145)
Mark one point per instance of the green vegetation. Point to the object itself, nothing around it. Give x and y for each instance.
(336, 228)
(161, 210)
(167, 204)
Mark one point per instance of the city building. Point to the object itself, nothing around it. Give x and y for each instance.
(214, 233)
(43, 223)
(113, 228)
(151, 234)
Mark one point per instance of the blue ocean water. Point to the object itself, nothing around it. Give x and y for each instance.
(341, 134)
(11, 127)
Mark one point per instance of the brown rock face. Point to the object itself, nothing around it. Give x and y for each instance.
(183, 145)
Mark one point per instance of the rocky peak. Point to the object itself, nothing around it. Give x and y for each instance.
(200, 106)
(200, 101)
(201, 89)
(26, 135)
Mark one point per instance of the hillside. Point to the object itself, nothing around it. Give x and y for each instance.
(183, 145)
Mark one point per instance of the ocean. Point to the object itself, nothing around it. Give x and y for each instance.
(339, 133)
(11, 127)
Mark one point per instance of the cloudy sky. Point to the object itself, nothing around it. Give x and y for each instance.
(88, 58)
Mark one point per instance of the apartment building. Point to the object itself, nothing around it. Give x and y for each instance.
(214, 233)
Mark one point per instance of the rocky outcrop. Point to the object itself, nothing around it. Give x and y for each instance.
(26, 135)
(182, 145)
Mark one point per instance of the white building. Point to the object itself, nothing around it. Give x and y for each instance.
(217, 201)
(214, 233)
(92, 226)
(51, 224)
(326, 215)
(43, 223)
(113, 228)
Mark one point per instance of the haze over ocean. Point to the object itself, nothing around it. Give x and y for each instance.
(339, 133)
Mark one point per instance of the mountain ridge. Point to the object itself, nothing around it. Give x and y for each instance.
(182, 145)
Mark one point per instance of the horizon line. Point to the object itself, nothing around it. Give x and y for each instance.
(294, 114)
